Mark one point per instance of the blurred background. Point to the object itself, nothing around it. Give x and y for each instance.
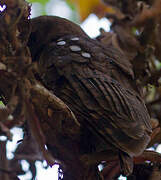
(80, 12)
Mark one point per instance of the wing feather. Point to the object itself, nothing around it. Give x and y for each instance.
(121, 122)
(112, 112)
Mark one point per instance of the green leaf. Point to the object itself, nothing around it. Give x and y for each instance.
(71, 5)
(43, 2)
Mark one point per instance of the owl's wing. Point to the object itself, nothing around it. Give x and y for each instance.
(80, 78)
(112, 111)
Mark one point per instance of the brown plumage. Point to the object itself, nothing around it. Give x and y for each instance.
(96, 82)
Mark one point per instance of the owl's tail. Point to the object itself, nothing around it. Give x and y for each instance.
(126, 163)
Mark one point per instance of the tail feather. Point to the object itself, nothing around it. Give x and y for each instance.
(126, 163)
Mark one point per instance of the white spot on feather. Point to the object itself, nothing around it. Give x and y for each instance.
(75, 48)
(61, 43)
(75, 39)
(86, 55)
